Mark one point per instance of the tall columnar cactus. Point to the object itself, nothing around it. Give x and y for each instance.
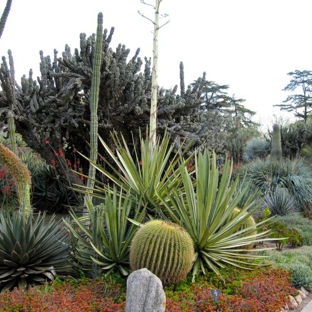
(276, 145)
(20, 174)
(4, 16)
(12, 135)
(165, 249)
(94, 100)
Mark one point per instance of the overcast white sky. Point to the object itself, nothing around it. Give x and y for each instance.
(250, 45)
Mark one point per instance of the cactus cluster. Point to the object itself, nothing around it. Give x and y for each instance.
(165, 249)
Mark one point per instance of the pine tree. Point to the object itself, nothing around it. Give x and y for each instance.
(299, 103)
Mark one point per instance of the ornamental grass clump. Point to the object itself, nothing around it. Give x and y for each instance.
(165, 249)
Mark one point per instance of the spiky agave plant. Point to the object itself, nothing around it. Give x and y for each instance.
(103, 236)
(205, 208)
(165, 249)
(32, 251)
(143, 174)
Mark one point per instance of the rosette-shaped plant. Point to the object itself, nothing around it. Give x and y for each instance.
(32, 251)
(205, 208)
(165, 249)
(103, 236)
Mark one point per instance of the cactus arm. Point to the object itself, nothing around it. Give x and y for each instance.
(4, 16)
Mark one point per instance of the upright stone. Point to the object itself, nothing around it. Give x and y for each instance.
(145, 292)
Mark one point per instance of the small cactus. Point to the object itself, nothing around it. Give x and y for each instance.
(276, 148)
(165, 249)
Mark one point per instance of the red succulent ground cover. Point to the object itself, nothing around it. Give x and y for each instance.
(264, 290)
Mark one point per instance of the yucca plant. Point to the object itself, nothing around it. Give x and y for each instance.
(104, 234)
(205, 210)
(32, 251)
(143, 174)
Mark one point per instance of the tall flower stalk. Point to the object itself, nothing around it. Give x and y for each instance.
(154, 91)
(21, 176)
(153, 112)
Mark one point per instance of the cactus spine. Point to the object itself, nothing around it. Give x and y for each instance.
(276, 147)
(165, 249)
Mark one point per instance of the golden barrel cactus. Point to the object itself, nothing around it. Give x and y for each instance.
(248, 223)
(164, 248)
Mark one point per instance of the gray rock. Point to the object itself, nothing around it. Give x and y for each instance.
(145, 292)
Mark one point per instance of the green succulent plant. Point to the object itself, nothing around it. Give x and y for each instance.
(165, 249)
(281, 202)
(256, 148)
(276, 144)
(293, 175)
(143, 174)
(32, 251)
(205, 209)
(104, 234)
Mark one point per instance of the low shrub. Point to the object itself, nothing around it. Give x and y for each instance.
(289, 236)
(301, 275)
(299, 264)
(265, 289)
(301, 224)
